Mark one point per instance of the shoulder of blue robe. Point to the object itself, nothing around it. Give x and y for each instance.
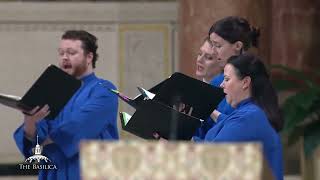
(248, 124)
(96, 118)
(244, 124)
(217, 80)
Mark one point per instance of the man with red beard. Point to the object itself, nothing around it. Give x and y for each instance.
(90, 114)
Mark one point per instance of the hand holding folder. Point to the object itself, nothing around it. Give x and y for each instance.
(54, 87)
(180, 88)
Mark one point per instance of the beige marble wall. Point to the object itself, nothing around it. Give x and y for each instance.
(30, 33)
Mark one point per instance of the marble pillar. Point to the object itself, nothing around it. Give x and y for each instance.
(295, 42)
(295, 33)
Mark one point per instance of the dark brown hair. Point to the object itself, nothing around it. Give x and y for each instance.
(89, 42)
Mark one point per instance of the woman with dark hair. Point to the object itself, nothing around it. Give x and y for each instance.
(230, 36)
(256, 116)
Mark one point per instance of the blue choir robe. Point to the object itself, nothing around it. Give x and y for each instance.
(90, 114)
(224, 108)
(249, 123)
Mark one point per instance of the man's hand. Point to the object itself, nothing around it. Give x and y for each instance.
(31, 120)
(47, 141)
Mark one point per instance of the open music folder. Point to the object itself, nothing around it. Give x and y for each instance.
(180, 88)
(136, 101)
(153, 117)
(158, 115)
(54, 87)
(201, 96)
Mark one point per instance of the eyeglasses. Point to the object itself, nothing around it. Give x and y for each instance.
(68, 52)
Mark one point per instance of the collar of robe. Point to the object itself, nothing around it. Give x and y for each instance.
(88, 78)
(244, 102)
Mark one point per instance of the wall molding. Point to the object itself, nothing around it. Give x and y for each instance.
(109, 12)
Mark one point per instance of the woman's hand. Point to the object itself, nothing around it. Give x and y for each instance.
(214, 115)
(183, 108)
(158, 137)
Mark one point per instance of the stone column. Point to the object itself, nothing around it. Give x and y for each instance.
(295, 43)
(196, 17)
(295, 33)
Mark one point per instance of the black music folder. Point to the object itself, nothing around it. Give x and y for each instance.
(54, 87)
(159, 113)
(203, 97)
(180, 88)
(154, 117)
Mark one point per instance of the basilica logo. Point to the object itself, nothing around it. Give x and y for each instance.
(37, 161)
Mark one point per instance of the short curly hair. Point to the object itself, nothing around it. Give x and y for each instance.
(89, 42)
